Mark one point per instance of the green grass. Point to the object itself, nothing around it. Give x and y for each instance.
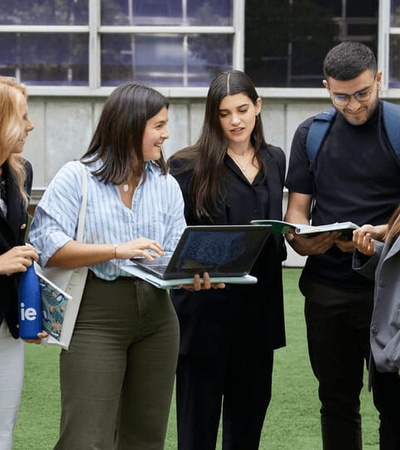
(292, 421)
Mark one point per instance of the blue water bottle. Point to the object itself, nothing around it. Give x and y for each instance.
(29, 305)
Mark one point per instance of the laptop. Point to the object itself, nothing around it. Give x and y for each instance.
(226, 252)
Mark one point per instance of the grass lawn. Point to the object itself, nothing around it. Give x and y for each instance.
(292, 421)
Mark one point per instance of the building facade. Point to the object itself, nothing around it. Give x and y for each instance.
(72, 53)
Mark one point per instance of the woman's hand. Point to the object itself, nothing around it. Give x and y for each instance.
(363, 242)
(141, 247)
(378, 232)
(206, 284)
(40, 336)
(17, 259)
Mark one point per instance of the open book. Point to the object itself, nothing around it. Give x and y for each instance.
(55, 306)
(281, 227)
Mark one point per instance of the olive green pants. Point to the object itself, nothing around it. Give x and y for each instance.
(117, 376)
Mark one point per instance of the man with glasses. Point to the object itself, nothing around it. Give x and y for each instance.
(356, 177)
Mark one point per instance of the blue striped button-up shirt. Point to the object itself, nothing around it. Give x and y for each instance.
(156, 213)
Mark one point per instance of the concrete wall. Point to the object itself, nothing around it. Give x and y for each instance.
(64, 126)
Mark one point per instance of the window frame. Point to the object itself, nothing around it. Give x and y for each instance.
(95, 30)
(385, 31)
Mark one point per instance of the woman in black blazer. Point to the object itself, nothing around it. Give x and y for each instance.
(228, 336)
(15, 257)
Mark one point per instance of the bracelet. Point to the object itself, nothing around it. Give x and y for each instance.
(115, 250)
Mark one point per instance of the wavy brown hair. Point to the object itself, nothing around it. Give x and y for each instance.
(119, 133)
(12, 129)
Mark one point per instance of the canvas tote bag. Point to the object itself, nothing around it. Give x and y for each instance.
(71, 281)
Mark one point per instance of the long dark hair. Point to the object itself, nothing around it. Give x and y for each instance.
(119, 133)
(206, 156)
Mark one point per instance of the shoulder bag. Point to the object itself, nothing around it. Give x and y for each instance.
(71, 281)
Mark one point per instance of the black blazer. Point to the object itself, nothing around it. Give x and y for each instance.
(204, 316)
(12, 232)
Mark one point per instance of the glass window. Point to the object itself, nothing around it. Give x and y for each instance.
(395, 13)
(44, 12)
(44, 58)
(287, 40)
(394, 45)
(361, 8)
(394, 61)
(164, 60)
(166, 12)
(40, 56)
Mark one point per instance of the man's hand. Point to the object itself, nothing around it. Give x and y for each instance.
(317, 245)
(345, 245)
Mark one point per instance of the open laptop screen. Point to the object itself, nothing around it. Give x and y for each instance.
(220, 250)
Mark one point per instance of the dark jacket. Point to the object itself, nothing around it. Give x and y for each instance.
(12, 233)
(206, 316)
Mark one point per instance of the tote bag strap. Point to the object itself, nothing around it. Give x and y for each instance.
(82, 211)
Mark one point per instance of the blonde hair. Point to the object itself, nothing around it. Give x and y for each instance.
(11, 130)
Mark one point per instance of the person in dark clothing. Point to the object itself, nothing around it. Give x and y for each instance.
(356, 178)
(228, 336)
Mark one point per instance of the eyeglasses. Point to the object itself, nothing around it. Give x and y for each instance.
(361, 97)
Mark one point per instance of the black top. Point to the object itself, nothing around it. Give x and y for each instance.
(356, 178)
(13, 229)
(205, 317)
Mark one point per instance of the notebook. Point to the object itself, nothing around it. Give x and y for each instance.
(226, 252)
(305, 230)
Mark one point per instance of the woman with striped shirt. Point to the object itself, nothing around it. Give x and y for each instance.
(117, 376)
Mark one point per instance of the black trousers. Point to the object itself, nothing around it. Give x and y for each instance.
(236, 381)
(338, 322)
(386, 389)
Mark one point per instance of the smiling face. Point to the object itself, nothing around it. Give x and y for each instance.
(237, 115)
(26, 125)
(356, 111)
(154, 135)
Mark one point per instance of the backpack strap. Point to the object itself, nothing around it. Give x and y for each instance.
(391, 122)
(316, 134)
(322, 122)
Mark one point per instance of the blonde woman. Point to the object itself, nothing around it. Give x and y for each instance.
(15, 257)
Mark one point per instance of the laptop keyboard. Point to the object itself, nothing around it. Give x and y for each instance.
(159, 268)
